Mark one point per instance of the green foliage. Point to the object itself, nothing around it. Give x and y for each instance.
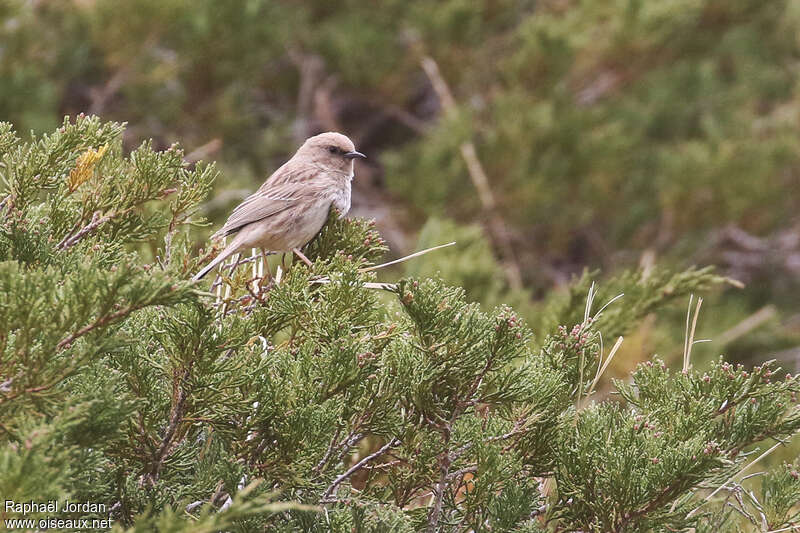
(640, 294)
(607, 130)
(470, 264)
(348, 230)
(611, 132)
(319, 403)
(679, 112)
(648, 108)
(207, 521)
(631, 478)
(677, 431)
(727, 404)
(781, 492)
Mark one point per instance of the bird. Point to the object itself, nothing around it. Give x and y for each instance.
(292, 205)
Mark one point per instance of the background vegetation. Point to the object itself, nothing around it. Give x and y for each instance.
(629, 139)
(614, 134)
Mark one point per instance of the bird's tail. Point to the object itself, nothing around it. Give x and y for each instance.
(213, 264)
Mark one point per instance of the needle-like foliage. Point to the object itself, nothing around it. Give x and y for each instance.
(323, 401)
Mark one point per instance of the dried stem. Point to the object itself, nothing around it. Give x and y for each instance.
(689, 340)
(602, 369)
(321, 464)
(406, 258)
(497, 226)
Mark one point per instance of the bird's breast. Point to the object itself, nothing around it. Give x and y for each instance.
(341, 198)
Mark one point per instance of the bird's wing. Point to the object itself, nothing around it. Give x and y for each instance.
(290, 172)
(260, 205)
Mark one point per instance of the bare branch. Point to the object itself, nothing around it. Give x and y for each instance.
(321, 464)
(331, 490)
(175, 418)
(438, 493)
(497, 226)
(100, 322)
(97, 221)
(204, 151)
(733, 477)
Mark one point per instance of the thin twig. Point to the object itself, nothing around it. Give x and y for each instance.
(611, 301)
(587, 310)
(406, 258)
(321, 464)
(331, 490)
(349, 441)
(790, 528)
(102, 321)
(366, 284)
(204, 151)
(460, 472)
(438, 494)
(737, 474)
(686, 332)
(518, 429)
(218, 280)
(747, 325)
(69, 241)
(175, 418)
(234, 263)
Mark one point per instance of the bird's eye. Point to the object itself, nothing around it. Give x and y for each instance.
(332, 149)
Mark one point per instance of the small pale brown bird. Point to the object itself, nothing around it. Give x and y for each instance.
(290, 208)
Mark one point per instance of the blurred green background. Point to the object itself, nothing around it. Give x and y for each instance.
(615, 134)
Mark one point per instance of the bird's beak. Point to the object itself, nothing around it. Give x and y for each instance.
(354, 154)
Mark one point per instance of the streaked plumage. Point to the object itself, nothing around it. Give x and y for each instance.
(290, 208)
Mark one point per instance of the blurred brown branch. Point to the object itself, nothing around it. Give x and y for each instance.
(497, 226)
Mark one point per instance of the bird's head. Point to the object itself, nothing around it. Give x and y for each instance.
(330, 150)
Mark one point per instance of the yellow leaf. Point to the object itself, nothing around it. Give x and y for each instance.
(84, 167)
